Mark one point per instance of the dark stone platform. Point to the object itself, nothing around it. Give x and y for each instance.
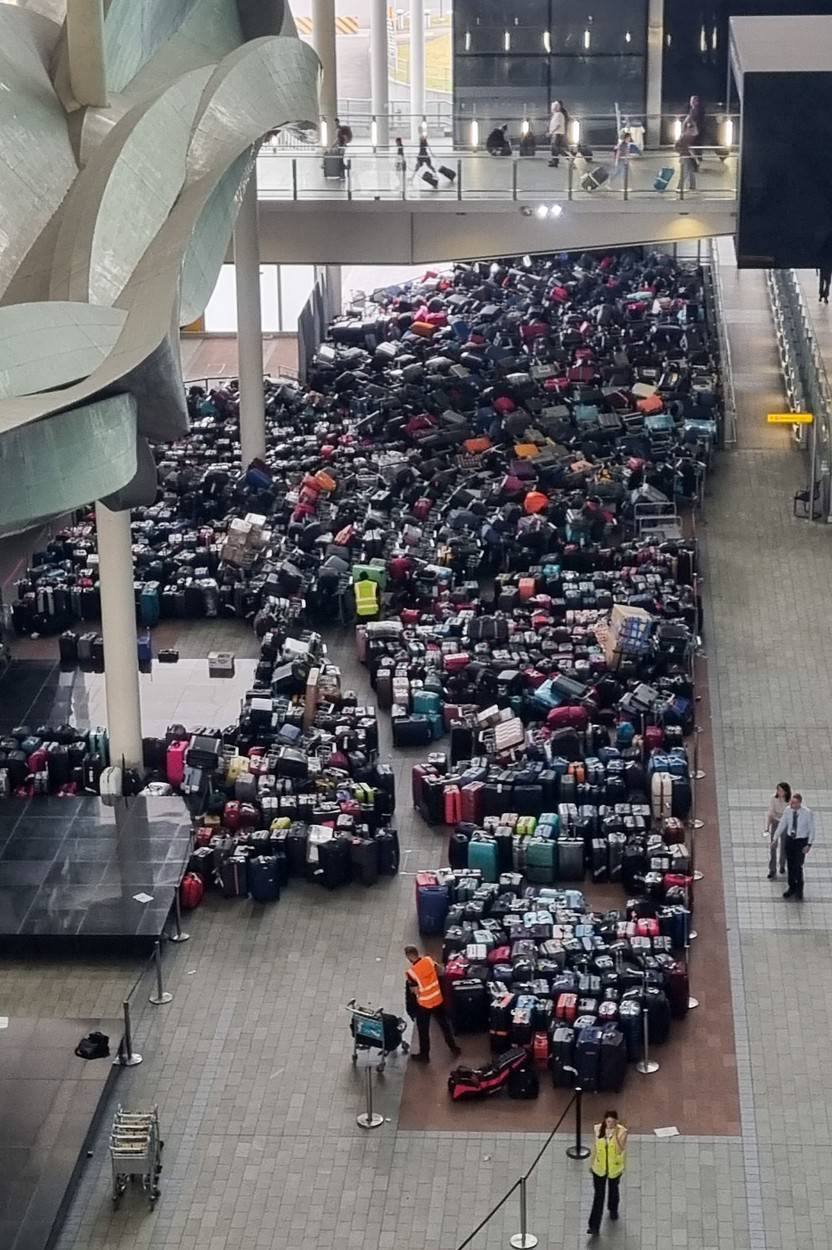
(70, 869)
(49, 1104)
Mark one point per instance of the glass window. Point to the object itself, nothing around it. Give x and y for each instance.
(296, 282)
(581, 27)
(590, 85)
(221, 311)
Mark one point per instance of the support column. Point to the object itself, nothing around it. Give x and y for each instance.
(379, 70)
(249, 326)
(85, 48)
(655, 52)
(336, 293)
(417, 66)
(118, 626)
(323, 41)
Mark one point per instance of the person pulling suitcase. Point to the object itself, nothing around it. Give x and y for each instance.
(606, 1163)
(424, 1001)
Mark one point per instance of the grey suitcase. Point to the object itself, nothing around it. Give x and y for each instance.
(570, 863)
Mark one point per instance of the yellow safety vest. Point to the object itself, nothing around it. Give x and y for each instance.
(428, 989)
(366, 603)
(608, 1159)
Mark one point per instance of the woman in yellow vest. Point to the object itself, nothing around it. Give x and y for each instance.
(607, 1165)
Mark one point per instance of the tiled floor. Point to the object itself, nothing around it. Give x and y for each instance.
(250, 1062)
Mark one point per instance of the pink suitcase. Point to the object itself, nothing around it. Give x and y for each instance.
(175, 763)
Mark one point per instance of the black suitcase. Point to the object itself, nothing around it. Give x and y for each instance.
(387, 849)
(234, 873)
(450, 174)
(599, 859)
(523, 1083)
(364, 860)
(469, 1006)
(57, 766)
(411, 731)
(563, 1057)
(570, 859)
(612, 1065)
(296, 842)
(334, 863)
(263, 883)
(658, 1016)
(68, 648)
(587, 1058)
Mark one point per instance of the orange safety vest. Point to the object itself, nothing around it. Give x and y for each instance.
(428, 989)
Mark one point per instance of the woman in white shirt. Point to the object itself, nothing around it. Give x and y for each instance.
(778, 803)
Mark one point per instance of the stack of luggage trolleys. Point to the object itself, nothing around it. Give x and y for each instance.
(136, 1152)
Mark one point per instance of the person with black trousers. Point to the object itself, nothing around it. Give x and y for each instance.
(606, 1163)
(797, 828)
(425, 1002)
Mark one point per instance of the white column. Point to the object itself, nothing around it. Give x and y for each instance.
(118, 626)
(85, 48)
(379, 72)
(323, 41)
(417, 66)
(655, 50)
(334, 287)
(249, 326)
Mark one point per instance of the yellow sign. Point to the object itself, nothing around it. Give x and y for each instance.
(790, 418)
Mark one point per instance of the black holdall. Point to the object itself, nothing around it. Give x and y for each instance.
(94, 1046)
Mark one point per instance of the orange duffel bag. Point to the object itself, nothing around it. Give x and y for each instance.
(650, 405)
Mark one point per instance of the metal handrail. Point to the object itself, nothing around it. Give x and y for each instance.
(729, 397)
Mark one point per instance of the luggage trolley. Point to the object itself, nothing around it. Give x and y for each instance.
(376, 1030)
(136, 1151)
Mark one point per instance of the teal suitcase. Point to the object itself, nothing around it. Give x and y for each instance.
(541, 861)
(482, 854)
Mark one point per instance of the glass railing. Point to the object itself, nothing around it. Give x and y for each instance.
(361, 174)
(468, 128)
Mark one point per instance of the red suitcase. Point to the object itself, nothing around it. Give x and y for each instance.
(540, 1049)
(568, 718)
(653, 738)
(410, 616)
(526, 587)
(191, 891)
(678, 990)
(578, 772)
(472, 802)
(456, 969)
(249, 816)
(455, 662)
(567, 1008)
(231, 815)
(421, 508)
(36, 762)
(499, 955)
(453, 805)
(417, 776)
(648, 927)
(175, 763)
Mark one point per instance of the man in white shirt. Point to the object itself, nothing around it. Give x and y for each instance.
(797, 829)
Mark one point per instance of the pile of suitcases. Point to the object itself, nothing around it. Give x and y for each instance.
(536, 969)
(328, 847)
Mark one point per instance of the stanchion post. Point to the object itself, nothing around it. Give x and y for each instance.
(579, 1150)
(161, 996)
(523, 1240)
(646, 1066)
(692, 1002)
(127, 1056)
(369, 1118)
(697, 771)
(179, 935)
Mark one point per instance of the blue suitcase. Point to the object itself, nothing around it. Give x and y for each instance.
(149, 604)
(263, 883)
(482, 854)
(663, 178)
(144, 649)
(432, 905)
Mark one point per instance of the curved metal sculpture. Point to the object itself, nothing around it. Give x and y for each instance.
(115, 220)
